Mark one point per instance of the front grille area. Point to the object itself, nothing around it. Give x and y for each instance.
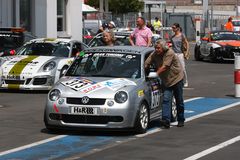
(14, 81)
(92, 101)
(85, 119)
(28, 81)
(229, 54)
(40, 81)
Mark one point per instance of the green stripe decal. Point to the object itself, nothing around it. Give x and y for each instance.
(18, 68)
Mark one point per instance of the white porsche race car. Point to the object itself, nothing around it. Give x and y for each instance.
(38, 64)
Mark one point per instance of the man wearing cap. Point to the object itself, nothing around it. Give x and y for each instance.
(111, 25)
(142, 34)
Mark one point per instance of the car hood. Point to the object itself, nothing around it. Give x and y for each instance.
(95, 86)
(24, 65)
(233, 43)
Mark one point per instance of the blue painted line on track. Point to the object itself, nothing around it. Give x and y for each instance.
(66, 146)
(206, 104)
(71, 145)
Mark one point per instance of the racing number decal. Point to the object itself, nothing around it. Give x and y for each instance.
(77, 84)
(18, 68)
(155, 99)
(155, 94)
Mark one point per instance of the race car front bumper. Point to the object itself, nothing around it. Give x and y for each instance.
(33, 83)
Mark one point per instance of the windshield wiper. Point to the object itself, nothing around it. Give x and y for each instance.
(95, 75)
(104, 75)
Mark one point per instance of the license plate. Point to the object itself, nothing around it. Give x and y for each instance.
(12, 77)
(84, 110)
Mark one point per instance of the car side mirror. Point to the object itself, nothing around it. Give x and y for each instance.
(152, 75)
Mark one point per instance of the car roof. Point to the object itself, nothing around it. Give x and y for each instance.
(115, 34)
(123, 49)
(221, 31)
(51, 40)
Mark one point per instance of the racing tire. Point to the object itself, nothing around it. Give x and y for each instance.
(173, 110)
(45, 120)
(49, 127)
(142, 119)
(63, 71)
(197, 54)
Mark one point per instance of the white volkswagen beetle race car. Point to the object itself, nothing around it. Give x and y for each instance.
(38, 64)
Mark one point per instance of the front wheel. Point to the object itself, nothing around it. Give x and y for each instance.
(142, 119)
(50, 128)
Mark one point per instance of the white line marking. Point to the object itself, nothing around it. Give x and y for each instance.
(31, 145)
(213, 149)
(149, 132)
(188, 88)
(192, 99)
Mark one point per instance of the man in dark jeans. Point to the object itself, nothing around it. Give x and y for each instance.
(170, 71)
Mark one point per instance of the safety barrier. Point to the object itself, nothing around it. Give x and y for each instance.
(237, 74)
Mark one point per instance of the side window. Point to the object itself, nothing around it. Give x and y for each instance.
(76, 49)
(152, 66)
(83, 46)
(146, 56)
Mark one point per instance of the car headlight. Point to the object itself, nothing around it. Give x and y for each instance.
(121, 97)
(49, 66)
(54, 94)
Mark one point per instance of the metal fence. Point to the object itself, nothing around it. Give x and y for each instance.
(186, 20)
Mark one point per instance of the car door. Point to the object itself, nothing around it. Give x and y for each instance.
(155, 92)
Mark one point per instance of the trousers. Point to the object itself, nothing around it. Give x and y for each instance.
(168, 93)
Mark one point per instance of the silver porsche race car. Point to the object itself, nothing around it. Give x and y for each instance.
(106, 88)
(39, 64)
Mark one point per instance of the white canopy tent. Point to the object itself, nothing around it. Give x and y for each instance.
(88, 9)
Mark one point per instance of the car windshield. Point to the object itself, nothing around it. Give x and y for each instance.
(120, 40)
(236, 23)
(106, 65)
(225, 36)
(60, 49)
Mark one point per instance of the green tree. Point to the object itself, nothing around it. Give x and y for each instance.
(120, 6)
(125, 6)
(93, 3)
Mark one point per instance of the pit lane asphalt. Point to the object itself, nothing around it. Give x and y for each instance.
(21, 122)
(180, 143)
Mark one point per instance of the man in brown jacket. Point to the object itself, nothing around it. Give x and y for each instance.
(170, 71)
